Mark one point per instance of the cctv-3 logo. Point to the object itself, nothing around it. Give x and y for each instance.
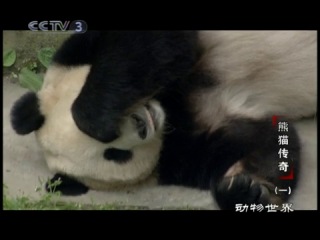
(78, 26)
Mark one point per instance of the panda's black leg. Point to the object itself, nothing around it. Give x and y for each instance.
(66, 185)
(256, 178)
(166, 57)
(25, 114)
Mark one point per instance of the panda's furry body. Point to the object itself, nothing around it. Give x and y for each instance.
(195, 106)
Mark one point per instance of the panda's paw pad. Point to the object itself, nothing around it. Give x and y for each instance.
(65, 185)
(241, 189)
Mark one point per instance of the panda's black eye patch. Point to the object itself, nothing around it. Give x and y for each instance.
(117, 155)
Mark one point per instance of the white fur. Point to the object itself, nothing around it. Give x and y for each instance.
(260, 74)
(68, 150)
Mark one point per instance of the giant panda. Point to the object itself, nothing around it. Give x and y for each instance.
(200, 108)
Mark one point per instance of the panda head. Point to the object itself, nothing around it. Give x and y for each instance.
(129, 158)
(83, 117)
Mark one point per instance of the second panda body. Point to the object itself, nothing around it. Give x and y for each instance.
(218, 91)
(257, 74)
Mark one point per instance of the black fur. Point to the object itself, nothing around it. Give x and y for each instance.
(201, 161)
(128, 67)
(138, 65)
(25, 114)
(78, 49)
(117, 155)
(68, 186)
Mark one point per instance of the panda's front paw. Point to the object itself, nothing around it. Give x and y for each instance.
(25, 114)
(104, 128)
(66, 185)
(241, 189)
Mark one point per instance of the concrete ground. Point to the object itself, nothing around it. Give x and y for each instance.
(23, 166)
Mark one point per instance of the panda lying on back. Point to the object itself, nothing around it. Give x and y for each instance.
(196, 106)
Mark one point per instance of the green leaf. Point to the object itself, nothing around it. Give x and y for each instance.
(9, 57)
(45, 56)
(30, 80)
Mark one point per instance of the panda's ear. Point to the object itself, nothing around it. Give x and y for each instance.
(25, 114)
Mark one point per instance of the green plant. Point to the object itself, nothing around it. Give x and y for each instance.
(52, 201)
(29, 79)
(28, 75)
(45, 56)
(9, 57)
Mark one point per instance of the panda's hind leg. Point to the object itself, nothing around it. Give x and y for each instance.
(256, 177)
(245, 188)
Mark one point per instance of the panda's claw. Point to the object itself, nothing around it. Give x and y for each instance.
(241, 189)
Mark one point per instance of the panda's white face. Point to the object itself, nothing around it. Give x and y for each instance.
(70, 151)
